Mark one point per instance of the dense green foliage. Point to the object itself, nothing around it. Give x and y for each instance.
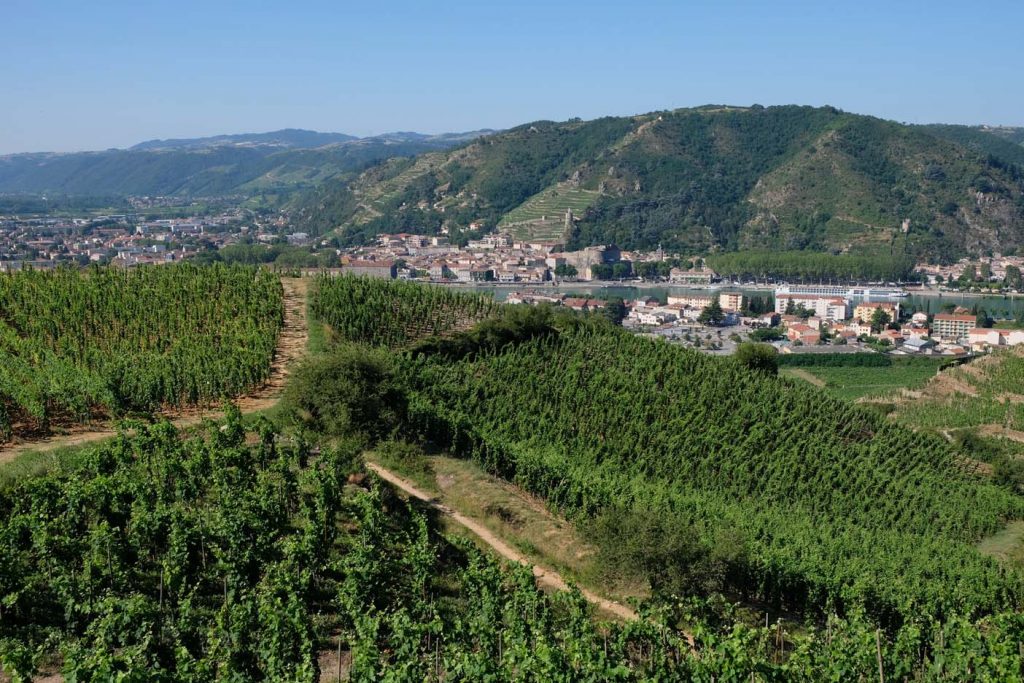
(758, 357)
(74, 344)
(348, 390)
(694, 171)
(711, 178)
(161, 559)
(604, 421)
(692, 472)
(810, 267)
(393, 313)
(281, 256)
(1006, 146)
(601, 421)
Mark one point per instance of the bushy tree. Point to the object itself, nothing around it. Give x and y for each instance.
(615, 310)
(712, 314)
(351, 389)
(879, 319)
(758, 357)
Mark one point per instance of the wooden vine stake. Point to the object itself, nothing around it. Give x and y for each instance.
(878, 649)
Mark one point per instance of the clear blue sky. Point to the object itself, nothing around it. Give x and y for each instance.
(90, 75)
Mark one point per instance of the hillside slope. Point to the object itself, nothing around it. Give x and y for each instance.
(708, 178)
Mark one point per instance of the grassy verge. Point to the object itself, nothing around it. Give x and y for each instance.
(1006, 546)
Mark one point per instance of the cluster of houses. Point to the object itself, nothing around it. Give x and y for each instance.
(951, 333)
(499, 257)
(122, 239)
(988, 269)
(688, 308)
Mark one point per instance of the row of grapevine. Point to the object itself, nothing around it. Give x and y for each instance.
(162, 559)
(393, 313)
(76, 344)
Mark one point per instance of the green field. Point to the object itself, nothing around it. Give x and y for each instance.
(542, 216)
(852, 383)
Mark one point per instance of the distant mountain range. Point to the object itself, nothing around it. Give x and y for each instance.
(286, 138)
(282, 161)
(705, 179)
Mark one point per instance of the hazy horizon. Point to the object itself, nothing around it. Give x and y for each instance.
(84, 77)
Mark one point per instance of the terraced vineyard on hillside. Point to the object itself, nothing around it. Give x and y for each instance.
(542, 216)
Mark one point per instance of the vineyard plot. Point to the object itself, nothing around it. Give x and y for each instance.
(76, 345)
(158, 558)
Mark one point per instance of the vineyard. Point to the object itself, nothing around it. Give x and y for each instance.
(771, 490)
(257, 553)
(163, 559)
(393, 314)
(76, 345)
(813, 502)
(986, 392)
(854, 382)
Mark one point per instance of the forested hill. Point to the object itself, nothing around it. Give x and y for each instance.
(283, 161)
(787, 177)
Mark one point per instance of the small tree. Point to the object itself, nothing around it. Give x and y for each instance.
(712, 314)
(879, 319)
(758, 357)
(1013, 279)
(615, 310)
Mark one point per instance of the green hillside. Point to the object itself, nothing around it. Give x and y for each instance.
(699, 477)
(710, 178)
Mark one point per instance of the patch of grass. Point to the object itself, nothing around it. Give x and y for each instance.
(524, 522)
(318, 339)
(37, 463)
(407, 460)
(1006, 546)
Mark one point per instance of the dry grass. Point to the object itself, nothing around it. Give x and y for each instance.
(1007, 546)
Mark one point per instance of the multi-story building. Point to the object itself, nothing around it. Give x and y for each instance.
(731, 301)
(826, 307)
(952, 326)
(691, 301)
(384, 269)
(866, 309)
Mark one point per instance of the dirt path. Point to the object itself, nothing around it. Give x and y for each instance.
(806, 376)
(545, 577)
(291, 345)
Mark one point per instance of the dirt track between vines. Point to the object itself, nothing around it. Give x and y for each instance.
(545, 577)
(291, 346)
